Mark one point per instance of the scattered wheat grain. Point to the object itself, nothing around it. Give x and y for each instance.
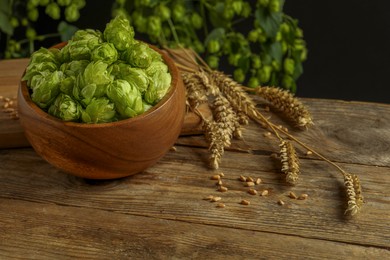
(245, 202)
(250, 179)
(264, 193)
(215, 199)
(292, 195)
(258, 181)
(210, 197)
(222, 189)
(242, 178)
(215, 177)
(281, 202)
(252, 192)
(249, 184)
(220, 205)
(303, 196)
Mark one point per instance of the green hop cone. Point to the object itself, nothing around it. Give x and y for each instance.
(213, 46)
(65, 108)
(140, 55)
(256, 62)
(72, 13)
(45, 55)
(33, 2)
(67, 85)
(139, 21)
(14, 22)
(254, 35)
(81, 45)
(126, 97)
(64, 2)
(105, 52)
(213, 61)
(263, 3)
(237, 6)
(47, 90)
(264, 74)
(196, 20)
(253, 82)
(246, 10)
(178, 12)
(163, 12)
(289, 66)
(96, 73)
(88, 34)
(99, 110)
(33, 14)
(239, 75)
(44, 2)
(288, 82)
(74, 67)
(132, 75)
(274, 6)
(53, 10)
(119, 32)
(154, 25)
(38, 64)
(160, 82)
(30, 33)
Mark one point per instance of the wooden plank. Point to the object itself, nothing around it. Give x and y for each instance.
(49, 231)
(352, 132)
(174, 190)
(11, 133)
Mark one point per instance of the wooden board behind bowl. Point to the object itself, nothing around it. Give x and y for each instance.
(11, 133)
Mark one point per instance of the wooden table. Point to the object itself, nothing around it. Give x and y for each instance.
(161, 213)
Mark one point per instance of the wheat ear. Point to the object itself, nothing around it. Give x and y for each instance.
(196, 93)
(354, 194)
(285, 102)
(233, 91)
(290, 161)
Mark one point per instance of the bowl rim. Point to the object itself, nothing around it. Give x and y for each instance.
(173, 70)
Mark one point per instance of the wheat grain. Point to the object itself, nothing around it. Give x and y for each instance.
(245, 202)
(252, 192)
(290, 162)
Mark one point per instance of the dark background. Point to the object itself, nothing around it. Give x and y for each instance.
(349, 48)
(348, 43)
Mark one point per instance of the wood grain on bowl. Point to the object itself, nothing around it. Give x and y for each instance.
(109, 150)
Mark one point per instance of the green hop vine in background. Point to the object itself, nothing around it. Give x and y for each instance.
(270, 52)
(22, 15)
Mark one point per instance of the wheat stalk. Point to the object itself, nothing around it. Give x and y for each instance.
(214, 82)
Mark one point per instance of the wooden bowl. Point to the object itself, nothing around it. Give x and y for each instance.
(107, 150)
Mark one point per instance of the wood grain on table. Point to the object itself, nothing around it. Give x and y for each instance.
(161, 213)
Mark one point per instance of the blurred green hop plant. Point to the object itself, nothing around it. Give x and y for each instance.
(268, 52)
